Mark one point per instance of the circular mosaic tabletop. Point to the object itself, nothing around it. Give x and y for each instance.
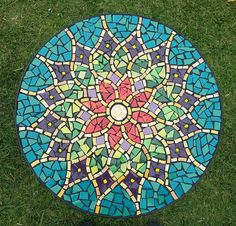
(118, 115)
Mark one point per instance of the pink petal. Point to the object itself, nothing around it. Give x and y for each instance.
(140, 99)
(132, 132)
(114, 135)
(97, 124)
(107, 91)
(95, 106)
(142, 117)
(124, 89)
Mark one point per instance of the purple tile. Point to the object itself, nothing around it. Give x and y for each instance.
(186, 126)
(132, 180)
(158, 55)
(107, 44)
(49, 124)
(62, 72)
(59, 149)
(157, 170)
(78, 171)
(104, 182)
(51, 97)
(82, 55)
(134, 47)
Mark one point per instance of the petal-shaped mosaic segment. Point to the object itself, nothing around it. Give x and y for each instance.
(118, 115)
(154, 196)
(121, 26)
(118, 203)
(59, 48)
(182, 52)
(82, 195)
(37, 76)
(29, 110)
(34, 145)
(52, 174)
(98, 160)
(87, 32)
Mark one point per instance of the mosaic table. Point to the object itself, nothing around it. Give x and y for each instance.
(118, 115)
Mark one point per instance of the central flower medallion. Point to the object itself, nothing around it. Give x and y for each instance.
(118, 112)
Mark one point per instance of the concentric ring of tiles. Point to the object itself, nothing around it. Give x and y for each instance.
(118, 115)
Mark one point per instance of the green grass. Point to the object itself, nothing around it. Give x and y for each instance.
(26, 24)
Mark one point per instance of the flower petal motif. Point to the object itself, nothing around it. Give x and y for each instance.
(84, 75)
(140, 99)
(121, 61)
(114, 135)
(170, 113)
(69, 130)
(142, 117)
(124, 89)
(167, 93)
(138, 160)
(107, 91)
(139, 66)
(132, 132)
(97, 124)
(82, 147)
(119, 164)
(98, 160)
(95, 106)
(101, 65)
(155, 76)
(67, 109)
(155, 148)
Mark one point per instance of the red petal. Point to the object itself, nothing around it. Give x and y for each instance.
(124, 89)
(107, 92)
(140, 99)
(142, 117)
(132, 132)
(95, 106)
(114, 135)
(97, 125)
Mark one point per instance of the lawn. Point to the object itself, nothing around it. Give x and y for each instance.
(26, 24)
